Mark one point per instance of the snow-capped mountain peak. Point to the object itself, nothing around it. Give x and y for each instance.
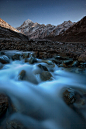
(35, 30)
(28, 21)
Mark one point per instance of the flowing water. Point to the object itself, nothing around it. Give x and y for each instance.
(40, 104)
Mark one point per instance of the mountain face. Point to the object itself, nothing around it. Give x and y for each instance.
(35, 30)
(10, 38)
(76, 33)
(6, 25)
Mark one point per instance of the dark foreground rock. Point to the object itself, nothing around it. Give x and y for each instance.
(4, 59)
(82, 57)
(14, 124)
(42, 67)
(3, 104)
(74, 98)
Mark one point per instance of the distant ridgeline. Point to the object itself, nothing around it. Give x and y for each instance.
(76, 33)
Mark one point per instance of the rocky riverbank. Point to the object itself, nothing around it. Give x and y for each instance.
(47, 49)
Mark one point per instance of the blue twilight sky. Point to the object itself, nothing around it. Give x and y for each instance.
(15, 12)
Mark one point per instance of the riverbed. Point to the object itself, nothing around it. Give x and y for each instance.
(36, 91)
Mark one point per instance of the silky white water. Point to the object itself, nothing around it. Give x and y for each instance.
(39, 104)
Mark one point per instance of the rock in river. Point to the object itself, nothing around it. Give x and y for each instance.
(42, 67)
(21, 75)
(4, 59)
(82, 58)
(16, 56)
(45, 75)
(69, 96)
(14, 124)
(3, 104)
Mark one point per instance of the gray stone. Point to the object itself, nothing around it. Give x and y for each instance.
(42, 67)
(69, 96)
(16, 56)
(4, 59)
(32, 60)
(25, 55)
(21, 75)
(3, 104)
(14, 124)
(45, 75)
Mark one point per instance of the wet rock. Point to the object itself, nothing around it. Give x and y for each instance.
(25, 55)
(4, 59)
(45, 75)
(61, 58)
(49, 62)
(3, 104)
(80, 104)
(80, 70)
(42, 55)
(32, 55)
(74, 98)
(51, 65)
(16, 56)
(21, 75)
(82, 65)
(42, 67)
(82, 58)
(14, 124)
(2, 53)
(57, 61)
(68, 62)
(1, 65)
(75, 63)
(69, 96)
(32, 60)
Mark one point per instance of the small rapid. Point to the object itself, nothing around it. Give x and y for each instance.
(39, 104)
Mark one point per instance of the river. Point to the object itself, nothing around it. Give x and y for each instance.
(39, 104)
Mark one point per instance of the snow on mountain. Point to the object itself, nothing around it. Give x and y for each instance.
(62, 28)
(35, 30)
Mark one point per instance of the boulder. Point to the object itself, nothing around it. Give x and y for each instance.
(21, 75)
(42, 67)
(61, 58)
(25, 55)
(56, 61)
(69, 96)
(45, 75)
(82, 58)
(49, 62)
(68, 62)
(1, 65)
(32, 60)
(4, 59)
(16, 56)
(14, 124)
(75, 63)
(3, 104)
(74, 98)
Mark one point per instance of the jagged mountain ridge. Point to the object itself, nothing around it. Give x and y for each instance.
(35, 30)
(6, 25)
(76, 33)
